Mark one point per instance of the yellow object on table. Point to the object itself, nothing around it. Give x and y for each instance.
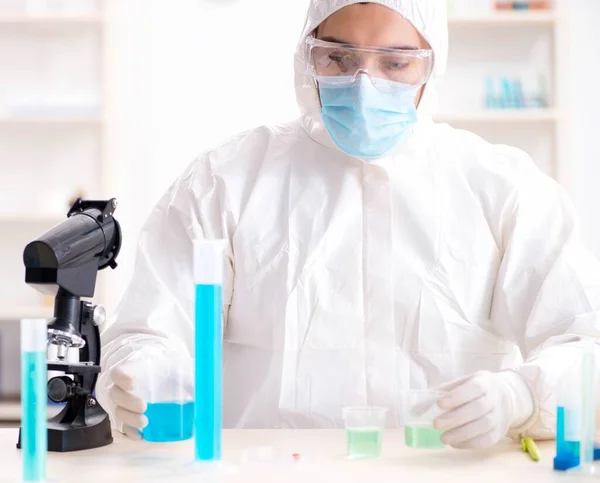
(528, 446)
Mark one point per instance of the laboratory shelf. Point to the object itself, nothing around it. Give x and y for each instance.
(507, 116)
(50, 20)
(11, 411)
(16, 313)
(505, 18)
(31, 218)
(49, 120)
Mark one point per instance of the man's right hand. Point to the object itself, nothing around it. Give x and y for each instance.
(129, 406)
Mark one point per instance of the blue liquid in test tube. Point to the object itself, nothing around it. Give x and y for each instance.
(567, 452)
(34, 378)
(575, 417)
(208, 274)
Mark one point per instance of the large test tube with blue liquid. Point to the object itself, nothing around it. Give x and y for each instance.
(34, 378)
(208, 276)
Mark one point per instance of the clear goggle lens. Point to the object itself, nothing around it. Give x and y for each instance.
(330, 59)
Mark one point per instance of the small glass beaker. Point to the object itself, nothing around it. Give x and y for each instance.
(420, 410)
(169, 394)
(364, 431)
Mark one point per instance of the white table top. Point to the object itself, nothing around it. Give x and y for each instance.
(322, 459)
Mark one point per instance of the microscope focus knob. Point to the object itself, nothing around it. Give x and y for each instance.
(98, 315)
(61, 389)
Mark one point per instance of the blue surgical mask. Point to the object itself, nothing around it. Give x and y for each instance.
(367, 118)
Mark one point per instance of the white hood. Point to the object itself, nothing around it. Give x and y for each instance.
(429, 17)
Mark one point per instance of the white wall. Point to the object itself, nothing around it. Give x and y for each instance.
(584, 145)
(218, 68)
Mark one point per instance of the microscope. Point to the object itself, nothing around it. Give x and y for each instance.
(64, 263)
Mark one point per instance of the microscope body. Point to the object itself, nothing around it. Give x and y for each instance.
(64, 262)
(83, 423)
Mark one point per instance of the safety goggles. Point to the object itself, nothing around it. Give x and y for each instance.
(331, 59)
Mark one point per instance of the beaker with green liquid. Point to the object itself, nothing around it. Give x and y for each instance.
(419, 411)
(364, 431)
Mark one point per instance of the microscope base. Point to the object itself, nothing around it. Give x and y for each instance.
(63, 440)
(64, 436)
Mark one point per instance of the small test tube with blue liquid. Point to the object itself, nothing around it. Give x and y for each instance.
(208, 277)
(34, 379)
(576, 449)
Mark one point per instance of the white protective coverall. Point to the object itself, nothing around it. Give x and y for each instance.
(347, 281)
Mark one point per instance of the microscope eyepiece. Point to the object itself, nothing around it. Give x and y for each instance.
(69, 255)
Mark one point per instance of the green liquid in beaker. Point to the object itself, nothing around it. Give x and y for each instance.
(364, 442)
(426, 437)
